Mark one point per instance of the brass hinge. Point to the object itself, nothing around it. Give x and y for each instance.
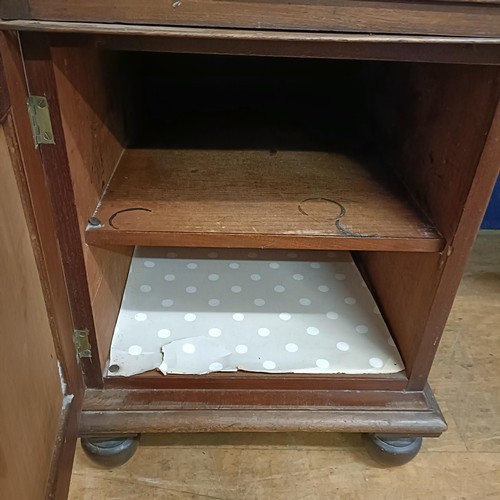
(41, 126)
(82, 344)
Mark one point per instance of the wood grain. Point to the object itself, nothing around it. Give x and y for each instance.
(463, 463)
(309, 45)
(439, 139)
(334, 15)
(30, 383)
(87, 90)
(57, 179)
(395, 412)
(245, 381)
(420, 48)
(437, 144)
(27, 168)
(37, 204)
(4, 95)
(15, 9)
(416, 48)
(486, 172)
(269, 399)
(249, 198)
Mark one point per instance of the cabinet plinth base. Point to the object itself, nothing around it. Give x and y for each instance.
(110, 451)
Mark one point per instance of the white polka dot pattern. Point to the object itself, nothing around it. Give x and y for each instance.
(164, 333)
(135, 350)
(199, 311)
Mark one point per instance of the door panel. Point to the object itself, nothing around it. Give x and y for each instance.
(30, 386)
(38, 411)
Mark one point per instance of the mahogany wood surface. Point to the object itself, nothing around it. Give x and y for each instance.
(437, 147)
(30, 387)
(124, 411)
(38, 215)
(192, 399)
(417, 48)
(440, 138)
(486, 170)
(4, 97)
(258, 381)
(37, 202)
(88, 94)
(64, 450)
(300, 44)
(57, 178)
(255, 198)
(16, 9)
(441, 18)
(443, 154)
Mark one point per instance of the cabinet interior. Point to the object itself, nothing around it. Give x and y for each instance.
(254, 152)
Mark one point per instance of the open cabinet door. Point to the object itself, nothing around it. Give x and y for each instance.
(40, 386)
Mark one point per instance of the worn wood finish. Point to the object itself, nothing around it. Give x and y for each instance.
(255, 198)
(463, 463)
(89, 93)
(114, 266)
(37, 203)
(436, 156)
(243, 381)
(439, 139)
(335, 15)
(15, 9)
(424, 423)
(4, 94)
(27, 167)
(317, 45)
(486, 173)
(30, 383)
(343, 411)
(194, 399)
(40, 75)
(403, 284)
(64, 450)
(463, 49)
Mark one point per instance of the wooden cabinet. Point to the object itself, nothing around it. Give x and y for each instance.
(233, 125)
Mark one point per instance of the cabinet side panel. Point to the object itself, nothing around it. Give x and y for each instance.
(441, 134)
(93, 123)
(30, 386)
(438, 141)
(403, 284)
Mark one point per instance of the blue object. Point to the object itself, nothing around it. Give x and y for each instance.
(492, 216)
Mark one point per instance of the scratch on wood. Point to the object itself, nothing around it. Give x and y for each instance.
(112, 218)
(341, 229)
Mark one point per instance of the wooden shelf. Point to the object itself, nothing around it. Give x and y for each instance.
(255, 198)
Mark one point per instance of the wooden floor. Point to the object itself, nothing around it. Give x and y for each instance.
(463, 464)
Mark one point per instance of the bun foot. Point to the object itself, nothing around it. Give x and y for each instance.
(110, 452)
(392, 450)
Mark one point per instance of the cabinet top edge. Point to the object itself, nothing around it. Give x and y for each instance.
(93, 28)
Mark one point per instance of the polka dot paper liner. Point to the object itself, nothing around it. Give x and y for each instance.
(196, 311)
